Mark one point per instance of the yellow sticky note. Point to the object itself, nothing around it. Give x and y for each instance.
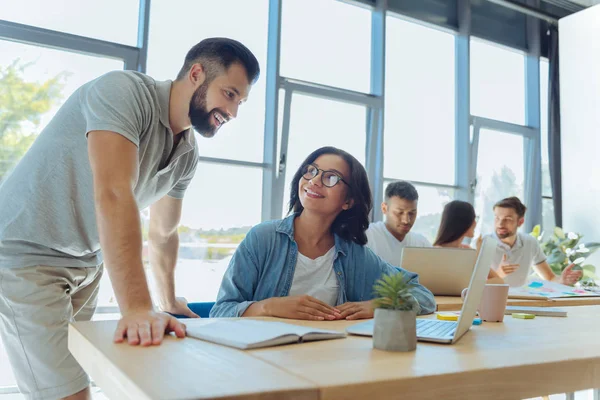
(447, 317)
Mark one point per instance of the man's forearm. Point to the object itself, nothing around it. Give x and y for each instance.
(163, 258)
(121, 240)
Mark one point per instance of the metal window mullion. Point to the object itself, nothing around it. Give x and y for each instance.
(283, 155)
(376, 112)
(269, 190)
(532, 187)
(65, 41)
(227, 161)
(533, 184)
(359, 3)
(474, 155)
(506, 127)
(463, 147)
(330, 92)
(142, 39)
(526, 10)
(8, 390)
(424, 184)
(107, 310)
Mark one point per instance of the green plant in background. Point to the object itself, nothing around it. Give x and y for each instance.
(394, 293)
(22, 106)
(563, 249)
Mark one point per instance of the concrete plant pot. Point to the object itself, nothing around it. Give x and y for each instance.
(395, 330)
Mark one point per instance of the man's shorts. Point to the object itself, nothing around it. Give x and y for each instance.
(36, 305)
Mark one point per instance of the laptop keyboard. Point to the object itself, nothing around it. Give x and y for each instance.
(435, 328)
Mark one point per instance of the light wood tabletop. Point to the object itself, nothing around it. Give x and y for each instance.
(179, 369)
(454, 303)
(511, 360)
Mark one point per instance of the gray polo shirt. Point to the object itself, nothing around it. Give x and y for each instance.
(47, 212)
(526, 252)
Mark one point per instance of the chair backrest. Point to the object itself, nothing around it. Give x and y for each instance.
(201, 309)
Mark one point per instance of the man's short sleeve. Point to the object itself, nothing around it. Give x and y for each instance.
(117, 102)
(538, 253)
(180, 187)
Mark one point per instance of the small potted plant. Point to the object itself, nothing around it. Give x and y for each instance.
(396, 312)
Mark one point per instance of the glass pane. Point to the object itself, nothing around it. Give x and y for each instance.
(34, 83)
(430, 206)
(111, 20)
(328, 42)
(546, 183)
(497, 82)
(420, 92)
(221, 205)
(548, 220)
(315, 123)
(242, 138)
(500, 173)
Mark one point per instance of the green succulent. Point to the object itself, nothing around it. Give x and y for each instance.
(394, 293)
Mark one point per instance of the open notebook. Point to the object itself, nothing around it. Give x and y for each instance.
(252, 334)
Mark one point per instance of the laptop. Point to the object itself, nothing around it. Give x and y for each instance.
(444, 271)
(434, 330)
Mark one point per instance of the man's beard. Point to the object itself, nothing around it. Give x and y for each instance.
(505, 235)
(199, 116)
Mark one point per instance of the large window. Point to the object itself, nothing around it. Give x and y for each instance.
(327, 42)
(110, 20)
(420, 106)
(43, 79)
(224, 199)
(500, 173)
(316, 122)
(242, 138)
(221, 205)
(497, 82)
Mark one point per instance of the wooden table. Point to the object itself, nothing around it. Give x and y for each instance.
(511, 360)
(454, 303)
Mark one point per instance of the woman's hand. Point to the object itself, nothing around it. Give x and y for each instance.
(357, 310)
(300, 307)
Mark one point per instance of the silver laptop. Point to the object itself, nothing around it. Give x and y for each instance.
(434, 330)
(444, 271)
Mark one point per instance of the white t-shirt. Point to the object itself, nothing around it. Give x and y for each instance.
(526, 252)
(316, 278)
(387, 247)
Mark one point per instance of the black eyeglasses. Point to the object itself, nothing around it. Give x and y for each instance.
(328, 178)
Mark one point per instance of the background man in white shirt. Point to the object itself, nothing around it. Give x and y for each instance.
(517, 252)
(387, 238)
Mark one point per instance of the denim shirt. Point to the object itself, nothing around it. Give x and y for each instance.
(263, 267)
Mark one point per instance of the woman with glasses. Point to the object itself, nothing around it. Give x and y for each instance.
(458, 222)
(313, 264)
